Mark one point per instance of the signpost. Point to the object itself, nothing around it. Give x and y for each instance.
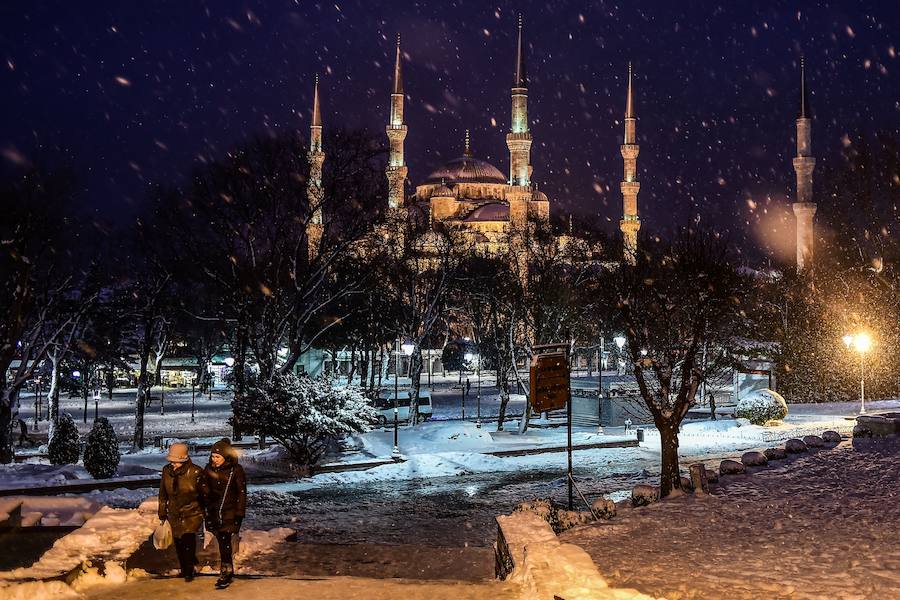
(550, 390)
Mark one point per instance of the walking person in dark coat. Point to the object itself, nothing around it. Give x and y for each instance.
(180, 502)
(226, 503)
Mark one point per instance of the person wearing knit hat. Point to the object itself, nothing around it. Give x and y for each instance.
(180, 502)
(225, 486)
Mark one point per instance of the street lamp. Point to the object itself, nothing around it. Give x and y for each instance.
(229, 361)
(620, 343)
(468, 356)
(862, 343)
(477, 359)
(407, 348)
(397, 349)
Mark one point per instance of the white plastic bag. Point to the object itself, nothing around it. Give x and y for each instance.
(162, 536)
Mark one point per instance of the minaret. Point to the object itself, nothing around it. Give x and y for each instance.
(631, 222)
(804, 163)
(396, 133)
(314, 191)
(519, 142)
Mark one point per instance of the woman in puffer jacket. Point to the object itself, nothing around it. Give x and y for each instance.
(180, 502)
(225, 492)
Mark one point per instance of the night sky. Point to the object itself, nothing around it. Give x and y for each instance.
(135, 93)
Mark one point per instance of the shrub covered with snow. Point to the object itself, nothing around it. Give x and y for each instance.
(761, 406)
(101, 455)
(63, 448)
(304, 414)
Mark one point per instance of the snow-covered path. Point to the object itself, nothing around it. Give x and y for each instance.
(823, 525)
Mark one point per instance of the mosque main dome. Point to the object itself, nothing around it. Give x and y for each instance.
(466, 169)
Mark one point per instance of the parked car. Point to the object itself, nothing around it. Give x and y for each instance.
(384, 403)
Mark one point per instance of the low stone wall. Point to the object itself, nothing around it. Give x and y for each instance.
(878, 425)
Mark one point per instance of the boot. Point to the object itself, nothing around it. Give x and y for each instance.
(225, 576)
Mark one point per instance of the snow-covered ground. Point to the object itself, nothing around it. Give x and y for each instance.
(820, 526)
(441, 449)
(210, 413)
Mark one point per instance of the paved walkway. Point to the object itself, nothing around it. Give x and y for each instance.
(821, 526)
(329, 588)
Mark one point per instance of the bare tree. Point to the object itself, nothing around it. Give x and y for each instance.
(676, 299)
(420, 274)
(42, 293)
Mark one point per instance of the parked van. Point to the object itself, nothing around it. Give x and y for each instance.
(384, 403)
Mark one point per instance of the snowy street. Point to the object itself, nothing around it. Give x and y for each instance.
(211, 412)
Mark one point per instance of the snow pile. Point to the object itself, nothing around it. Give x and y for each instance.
(547, 569)
(262, 542)
(255, 543)
(553, 570)
(50, 510)
(111, 534)
(761, 406)
(90, 577)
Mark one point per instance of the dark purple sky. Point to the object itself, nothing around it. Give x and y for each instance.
(136, 92)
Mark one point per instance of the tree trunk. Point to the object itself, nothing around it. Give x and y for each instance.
(369, 385)
(140, 403)
(352, 370)
(53, 395)
(416, 375)
(380, 366)
(504, 400)
(202, 372)
(6, 425)
(110, 382)
(239, 374)
(84, 393)
(669, 474)
(363, 369)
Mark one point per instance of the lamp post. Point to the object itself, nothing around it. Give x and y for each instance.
(209, 381)
(862, 343)
(600, 384)
(193, 396)
(396, 451)
(478, 391)
(468, 356)
(37, 406)
(408, 349)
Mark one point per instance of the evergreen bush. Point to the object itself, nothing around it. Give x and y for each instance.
(304, 414)
(761, 406)
(101, 455)
(63, 447)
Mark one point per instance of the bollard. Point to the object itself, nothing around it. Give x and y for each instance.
(640, 435)
(698, 478)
